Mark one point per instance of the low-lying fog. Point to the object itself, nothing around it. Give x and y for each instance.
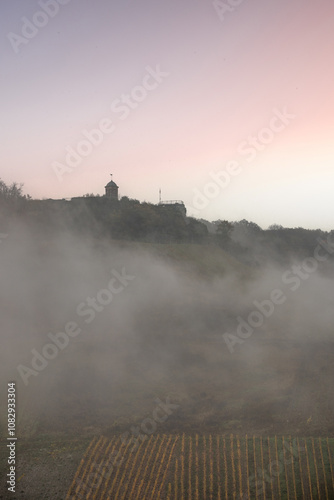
(93, 332)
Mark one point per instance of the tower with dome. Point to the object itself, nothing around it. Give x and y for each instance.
(111, 190)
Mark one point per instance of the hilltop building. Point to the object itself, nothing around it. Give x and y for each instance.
(111, 190)
(176, 204)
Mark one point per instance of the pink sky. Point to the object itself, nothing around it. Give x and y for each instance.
(226, 78)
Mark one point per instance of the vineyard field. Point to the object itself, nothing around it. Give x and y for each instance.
(206, 467)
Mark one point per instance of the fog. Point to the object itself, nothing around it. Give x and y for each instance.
(160, 331)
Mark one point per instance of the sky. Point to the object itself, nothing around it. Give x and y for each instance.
(226, 105)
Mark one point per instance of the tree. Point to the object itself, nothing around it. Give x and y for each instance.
(11, 197)
(223, 231)
(197, 232)
(247, 226)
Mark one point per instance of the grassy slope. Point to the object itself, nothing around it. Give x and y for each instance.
(203, 260)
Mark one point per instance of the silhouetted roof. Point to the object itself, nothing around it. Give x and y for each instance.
(111, 184)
